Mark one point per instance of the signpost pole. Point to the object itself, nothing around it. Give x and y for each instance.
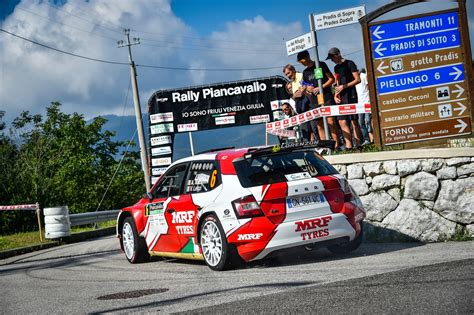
(316, 60)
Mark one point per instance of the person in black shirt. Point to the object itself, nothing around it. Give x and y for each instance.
(346, 93)
(311, 89)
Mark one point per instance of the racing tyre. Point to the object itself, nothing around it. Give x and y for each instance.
(350, 246)
(134, 246)
(215, 249)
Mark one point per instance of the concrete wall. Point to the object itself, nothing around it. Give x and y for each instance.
(423, 194)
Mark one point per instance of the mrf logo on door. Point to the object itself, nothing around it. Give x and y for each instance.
(313, 224)
(182, 221)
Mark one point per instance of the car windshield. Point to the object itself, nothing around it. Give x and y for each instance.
(274, 168)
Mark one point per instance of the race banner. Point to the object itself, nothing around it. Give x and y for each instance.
(326, 111)
(206, 107)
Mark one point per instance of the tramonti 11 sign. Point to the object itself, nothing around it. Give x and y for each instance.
(421, 84)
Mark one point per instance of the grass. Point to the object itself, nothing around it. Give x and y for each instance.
(19, 240)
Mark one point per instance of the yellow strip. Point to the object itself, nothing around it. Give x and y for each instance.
(192, 256)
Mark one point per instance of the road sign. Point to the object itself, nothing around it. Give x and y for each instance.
(419, 71)
(298, 44)
(338, 18)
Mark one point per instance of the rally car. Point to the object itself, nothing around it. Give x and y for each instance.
(239, 205)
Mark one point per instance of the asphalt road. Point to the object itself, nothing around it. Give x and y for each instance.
(94, 277)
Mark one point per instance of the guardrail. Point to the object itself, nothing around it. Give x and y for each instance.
(92, 217)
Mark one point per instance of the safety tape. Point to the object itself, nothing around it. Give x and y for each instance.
(326, 111)
(20, 207)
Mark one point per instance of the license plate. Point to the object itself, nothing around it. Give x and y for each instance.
(294, 202)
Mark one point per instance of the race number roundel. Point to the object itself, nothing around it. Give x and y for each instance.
(213, 180)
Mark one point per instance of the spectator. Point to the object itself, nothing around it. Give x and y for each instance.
(311, 90)
(288, 112)
(345, 93)
(296, 91)
(365, 120)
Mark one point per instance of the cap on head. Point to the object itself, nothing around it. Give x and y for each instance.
(333, 51)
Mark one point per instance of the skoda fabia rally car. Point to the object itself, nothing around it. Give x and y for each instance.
(235, 205)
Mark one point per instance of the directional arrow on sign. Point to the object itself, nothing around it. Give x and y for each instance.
(461, 108)
(457, 73)
(379, 49)
(381, 67)
(460, 90)
(462, 125)
(377, 32)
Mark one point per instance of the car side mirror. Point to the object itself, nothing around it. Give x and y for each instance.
(148, 195)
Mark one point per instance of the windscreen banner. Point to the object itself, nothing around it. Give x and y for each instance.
(206, 107)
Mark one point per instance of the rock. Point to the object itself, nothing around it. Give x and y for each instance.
(372, 169)
(390, 167)
(432, 165)
(395, 193)
(368, 180)
(470, 229)
(385, 181)
(466, 169)
(355, 171)
(421, 186)
(456, 200)
(420, 223)
(378, 205)
(407, 167)
(458, 161)
(448, 172)
(341, 168)
(360, 186)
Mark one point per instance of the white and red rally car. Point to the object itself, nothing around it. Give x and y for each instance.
(243, 204)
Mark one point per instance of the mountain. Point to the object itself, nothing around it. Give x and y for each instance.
(243, 136)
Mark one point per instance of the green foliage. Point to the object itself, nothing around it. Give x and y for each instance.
(63, 160)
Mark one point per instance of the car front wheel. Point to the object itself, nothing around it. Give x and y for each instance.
(134, 246)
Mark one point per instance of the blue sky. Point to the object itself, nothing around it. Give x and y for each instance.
(199, 34)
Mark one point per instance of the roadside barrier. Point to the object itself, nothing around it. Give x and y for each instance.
(56, 222)
(29, 207)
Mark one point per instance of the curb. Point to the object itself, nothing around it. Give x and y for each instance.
(74, 238)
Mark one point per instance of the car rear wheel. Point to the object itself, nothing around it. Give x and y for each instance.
(134, 246)
(215, 248)
(350, 246)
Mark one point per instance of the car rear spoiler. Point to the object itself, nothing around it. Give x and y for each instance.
(289, 147)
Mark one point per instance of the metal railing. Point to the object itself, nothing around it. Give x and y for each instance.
(92, 217)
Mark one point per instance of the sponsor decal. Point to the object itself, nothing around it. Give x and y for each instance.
(161, 128)
(162, 100)
(160, 140)
(158, 171)
(154, 208)
(161, 117)
(182, 217)
(161, 150)
(259, 119)
(297, 176)
(187, 127)
(185, 229)
(249, 237)
(226, 120)
(316, 224)
(277, 86)
(161, 161)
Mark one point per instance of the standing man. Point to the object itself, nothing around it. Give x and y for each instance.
(311, 90)
(345, 93)
(297, 94)
(365, 120)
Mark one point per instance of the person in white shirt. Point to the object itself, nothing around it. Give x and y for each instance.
(365, 120)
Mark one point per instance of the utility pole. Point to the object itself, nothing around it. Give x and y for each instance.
(136, 101)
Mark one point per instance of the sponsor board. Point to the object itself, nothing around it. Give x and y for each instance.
(161, 161)
(161, 128)
(161, 117)
(225, 120)
(187, 127)
(161, 150)
(160, 140)
(156, 171)
(259, 119)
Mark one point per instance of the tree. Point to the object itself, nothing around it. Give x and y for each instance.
(63, 160)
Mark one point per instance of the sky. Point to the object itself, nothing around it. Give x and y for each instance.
(209, 41)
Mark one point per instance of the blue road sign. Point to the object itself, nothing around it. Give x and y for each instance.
(426, 24)
(416, 43)
(419, 79)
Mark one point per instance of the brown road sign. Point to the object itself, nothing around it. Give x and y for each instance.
(426, 95)
(418, 61)
(427, 130)
(423, 113)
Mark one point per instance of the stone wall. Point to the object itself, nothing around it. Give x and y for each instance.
(427, 195)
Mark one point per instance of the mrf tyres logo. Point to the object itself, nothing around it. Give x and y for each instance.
(315, 228)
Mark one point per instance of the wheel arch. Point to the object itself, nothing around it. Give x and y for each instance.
(199, 224)
(120, 220)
